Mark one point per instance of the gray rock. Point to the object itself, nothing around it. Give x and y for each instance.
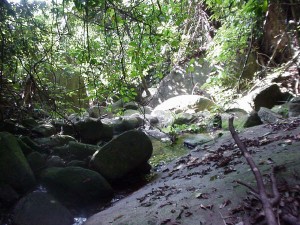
(98, 111)
(131, 105)
(179, 82)
(263, 95)
(122, 124)
(122, 155)
(92, 131)
(40, 208)
(294, 107)
(157, 134)
(196, 140)
(185, 102)
(44, 130)
(165, 118)
(14, 168)
(131, 112)
(76, 184)
(153, 120)
(183, 118)
(267, 116)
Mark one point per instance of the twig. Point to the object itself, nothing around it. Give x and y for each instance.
(222, 217)
(266, 202)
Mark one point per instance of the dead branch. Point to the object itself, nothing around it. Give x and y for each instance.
(265, 200)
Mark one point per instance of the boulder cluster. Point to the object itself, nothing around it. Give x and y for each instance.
(43, 171)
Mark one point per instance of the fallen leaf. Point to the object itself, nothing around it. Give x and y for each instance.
(225, 203)
(202, 195)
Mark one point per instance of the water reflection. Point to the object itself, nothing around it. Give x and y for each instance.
(79, 220)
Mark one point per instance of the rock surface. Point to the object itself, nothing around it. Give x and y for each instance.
(268, 116)
(185, 102)
(294, 107)
(40, 208)
(92, 131)
(179, 82)
(199, 188)
(122, 154)
(44, 130)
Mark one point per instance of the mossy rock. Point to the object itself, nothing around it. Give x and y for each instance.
(82, 151)
(36, 161)
(54, 140)
(122, 155)
(31, 144)
(92, 131)
(24, 147)
(14, 168)
(76, 184)
(44, 130)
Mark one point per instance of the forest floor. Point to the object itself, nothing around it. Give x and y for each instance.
(200, 187)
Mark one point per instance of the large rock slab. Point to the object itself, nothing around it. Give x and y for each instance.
(40, 208)
(181, 82)
(201, 188)
(76, 184)
(14, 168)
(122, 154)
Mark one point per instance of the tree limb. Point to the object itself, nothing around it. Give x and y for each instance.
(266, 202)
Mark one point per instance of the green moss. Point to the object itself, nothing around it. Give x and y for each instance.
(14, 168)
(165, 152)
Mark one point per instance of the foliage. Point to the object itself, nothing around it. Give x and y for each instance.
(110, 47)
(241, 21)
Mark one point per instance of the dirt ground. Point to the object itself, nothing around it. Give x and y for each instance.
(201, 189)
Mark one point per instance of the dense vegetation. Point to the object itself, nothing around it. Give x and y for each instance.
(59, 56)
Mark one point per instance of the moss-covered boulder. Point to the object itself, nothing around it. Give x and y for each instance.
(76, 184)
(126, 123)
(44, 130)
(36, 161)
(122, 155)
(54, 140)
(92, 131)
(14, 168)
(39, 208)
(82, 151)
(30, 143)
